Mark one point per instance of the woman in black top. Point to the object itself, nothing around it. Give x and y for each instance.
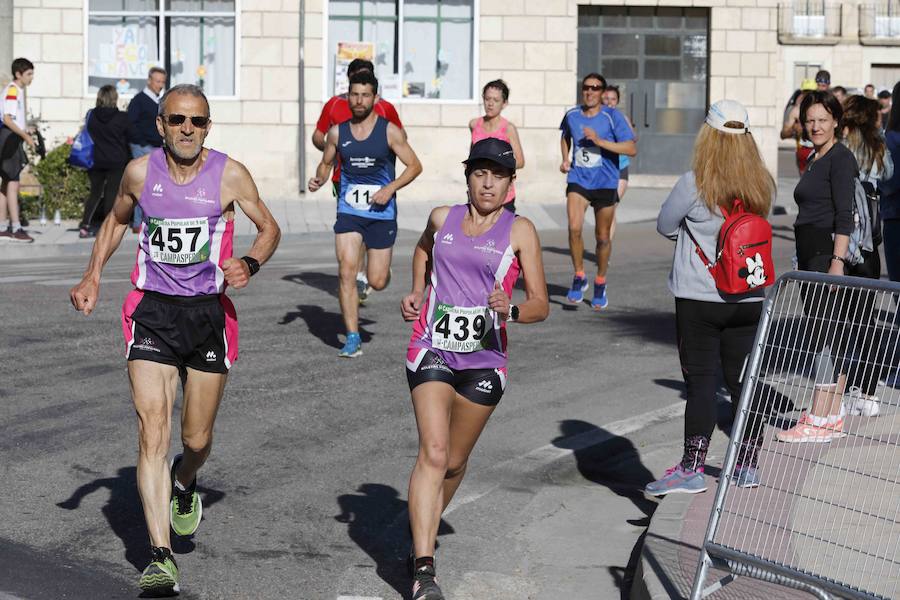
(825, 196)
(110, 129)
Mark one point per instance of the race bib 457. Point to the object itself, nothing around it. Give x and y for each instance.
(179, 241)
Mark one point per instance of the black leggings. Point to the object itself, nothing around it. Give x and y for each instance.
(104, 187)
(845, 317)
(710, 333)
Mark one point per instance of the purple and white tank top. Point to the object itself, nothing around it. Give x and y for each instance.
(455, 322)
(184, 236)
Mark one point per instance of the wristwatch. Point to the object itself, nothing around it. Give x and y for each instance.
(840, 258)
(252, 264)
(513, 313)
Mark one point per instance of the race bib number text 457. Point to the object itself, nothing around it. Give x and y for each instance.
(179, 241)
(458, 329)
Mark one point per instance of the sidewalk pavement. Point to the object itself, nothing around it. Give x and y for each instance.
(791, 526)
(309, 215)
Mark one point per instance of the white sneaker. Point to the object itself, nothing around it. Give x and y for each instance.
(860, 404)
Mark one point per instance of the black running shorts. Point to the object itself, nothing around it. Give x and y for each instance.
(197, 332)
(597, 198)
(481, 386)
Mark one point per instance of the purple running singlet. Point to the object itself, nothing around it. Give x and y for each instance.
(184, 237)
(455, 322)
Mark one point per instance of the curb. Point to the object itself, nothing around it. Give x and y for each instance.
(651, 581)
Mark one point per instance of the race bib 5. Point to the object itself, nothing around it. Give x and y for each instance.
(359, 196)
(179, 241)
(588, 157)
(461, 329)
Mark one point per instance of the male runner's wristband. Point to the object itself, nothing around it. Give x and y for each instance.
(252, 264)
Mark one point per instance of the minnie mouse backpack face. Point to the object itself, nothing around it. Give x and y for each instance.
(743, 253)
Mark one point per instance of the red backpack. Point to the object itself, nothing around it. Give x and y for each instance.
(743, 252)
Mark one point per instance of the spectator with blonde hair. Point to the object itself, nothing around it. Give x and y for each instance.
(712, 328)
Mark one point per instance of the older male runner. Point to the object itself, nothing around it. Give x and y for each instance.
(178, 321)
(367, 203)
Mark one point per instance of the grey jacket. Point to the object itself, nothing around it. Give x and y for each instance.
(689, 278)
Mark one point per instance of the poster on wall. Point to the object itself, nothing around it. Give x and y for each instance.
(125, 55)
(346, 52)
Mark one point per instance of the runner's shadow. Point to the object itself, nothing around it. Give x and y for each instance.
(321, 281)
(588, 255)
(125, 516)
(560, 291)
(673, 384)
(325, 325)
(613, 462)
(377, 521)
(552, 290)
(657, 327)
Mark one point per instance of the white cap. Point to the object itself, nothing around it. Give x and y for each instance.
(724, 111)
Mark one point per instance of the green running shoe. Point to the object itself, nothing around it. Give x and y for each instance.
(160, 578)
(186, 508)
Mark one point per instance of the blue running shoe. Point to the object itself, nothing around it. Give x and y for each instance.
(677, 480)
(579, 287)
(352, 348)
(745, 476)
(599, 300)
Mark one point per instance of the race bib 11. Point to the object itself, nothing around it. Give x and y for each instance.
(359, 196)
(179, 241)
(459, 329)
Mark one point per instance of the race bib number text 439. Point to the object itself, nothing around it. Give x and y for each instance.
(458, 329)
(179, 241)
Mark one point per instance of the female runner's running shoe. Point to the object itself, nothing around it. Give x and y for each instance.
(425, 586)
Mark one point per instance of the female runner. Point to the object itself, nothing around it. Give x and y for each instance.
(470, 255)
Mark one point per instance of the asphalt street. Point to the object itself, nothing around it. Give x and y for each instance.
(304, 494)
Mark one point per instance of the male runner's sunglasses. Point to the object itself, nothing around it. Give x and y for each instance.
(176, 119)
(593, 88)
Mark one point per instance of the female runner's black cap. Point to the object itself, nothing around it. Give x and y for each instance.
(493, 150)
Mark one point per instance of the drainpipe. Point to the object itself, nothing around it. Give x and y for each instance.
(301, 138)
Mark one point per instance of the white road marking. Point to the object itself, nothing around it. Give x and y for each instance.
(338, 598)
(75, 280)
(5, 596)
(551, 452)
(19, 278)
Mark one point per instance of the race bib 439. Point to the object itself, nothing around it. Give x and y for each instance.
(458, 329)
(179, 241)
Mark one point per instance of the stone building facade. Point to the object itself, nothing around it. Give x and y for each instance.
(273, 65)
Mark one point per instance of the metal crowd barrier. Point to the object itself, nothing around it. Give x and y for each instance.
(825, 518)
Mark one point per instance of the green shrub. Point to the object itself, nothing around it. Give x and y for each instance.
(30, 206)
(63, 187)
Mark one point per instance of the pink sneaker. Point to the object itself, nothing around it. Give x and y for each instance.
(805, 432)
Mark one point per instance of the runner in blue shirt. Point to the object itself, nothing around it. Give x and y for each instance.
(593, 137)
